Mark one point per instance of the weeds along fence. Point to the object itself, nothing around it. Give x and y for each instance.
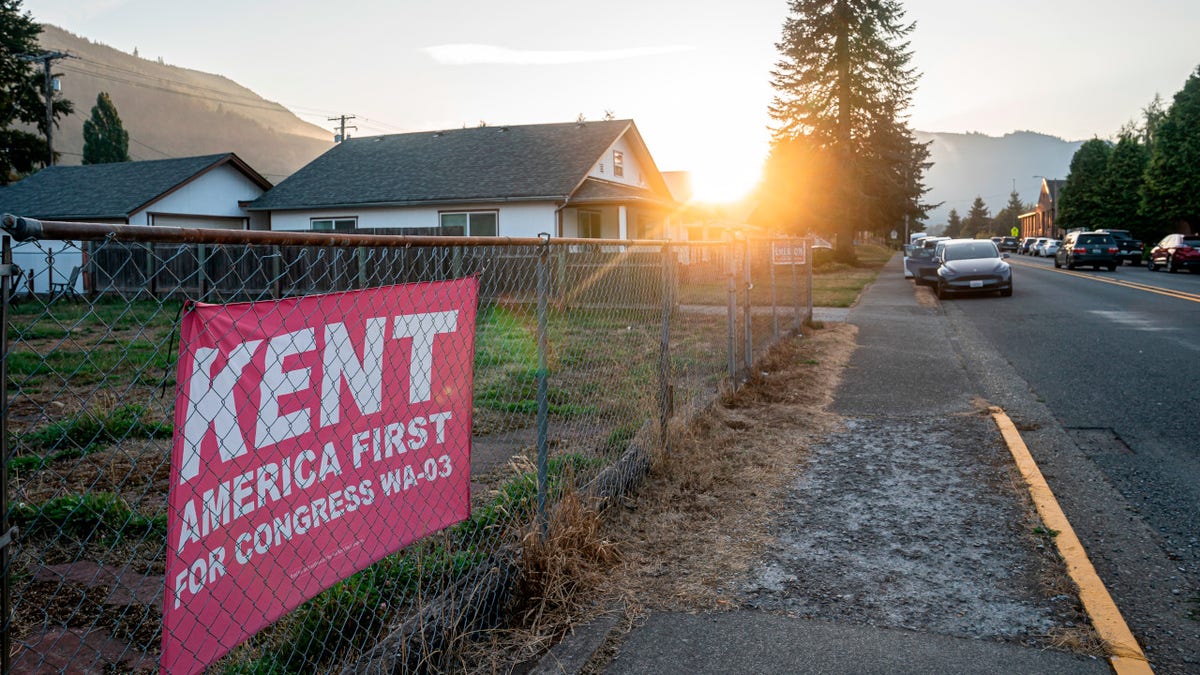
(584, 353)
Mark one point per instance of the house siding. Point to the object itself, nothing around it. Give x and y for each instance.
(216, 193)
(514, 220)
(634, 171)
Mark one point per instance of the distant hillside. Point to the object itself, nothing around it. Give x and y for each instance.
(176, 112)
(966, 165)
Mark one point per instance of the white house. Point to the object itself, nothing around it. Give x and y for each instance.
(208, 191)
(579, 179)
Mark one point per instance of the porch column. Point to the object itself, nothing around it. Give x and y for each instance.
(622, 223)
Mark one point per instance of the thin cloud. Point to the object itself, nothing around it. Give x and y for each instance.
(475, 54)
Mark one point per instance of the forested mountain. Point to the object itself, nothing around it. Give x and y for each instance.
(967, 165)
(176, 112)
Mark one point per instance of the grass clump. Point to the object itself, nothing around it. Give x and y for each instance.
(84, 517)
(84, 434)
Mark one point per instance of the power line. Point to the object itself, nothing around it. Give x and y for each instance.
(341, 136)
(46, 59)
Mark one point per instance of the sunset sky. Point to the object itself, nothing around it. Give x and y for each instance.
(693, 74)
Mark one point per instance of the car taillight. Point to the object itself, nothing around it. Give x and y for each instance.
(1113, 249)
(1081, 250)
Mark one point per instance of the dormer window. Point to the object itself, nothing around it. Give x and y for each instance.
(618, 163)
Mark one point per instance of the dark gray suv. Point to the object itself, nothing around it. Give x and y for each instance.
(1096, 249)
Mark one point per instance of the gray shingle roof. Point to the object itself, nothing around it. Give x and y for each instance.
(106, 191)
(479, 164)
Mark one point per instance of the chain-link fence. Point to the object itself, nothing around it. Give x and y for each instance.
(582, 353)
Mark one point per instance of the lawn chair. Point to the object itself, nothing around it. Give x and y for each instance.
(66, 289)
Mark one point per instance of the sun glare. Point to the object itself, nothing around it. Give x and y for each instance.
(724, 183)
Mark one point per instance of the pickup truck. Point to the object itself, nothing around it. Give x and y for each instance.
(1130, 248)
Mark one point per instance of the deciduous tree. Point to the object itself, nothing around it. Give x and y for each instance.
(1122, 188)
(1081, 202)
(1172, 190)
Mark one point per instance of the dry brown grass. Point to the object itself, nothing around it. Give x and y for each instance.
(700, 518)
(703, 516)
(561, 574)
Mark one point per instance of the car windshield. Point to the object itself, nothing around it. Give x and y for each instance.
(970, 250)
(1094, 239)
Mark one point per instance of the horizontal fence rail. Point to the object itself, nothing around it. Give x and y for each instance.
(582, 354)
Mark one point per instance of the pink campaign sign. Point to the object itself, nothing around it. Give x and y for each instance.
(313, 437)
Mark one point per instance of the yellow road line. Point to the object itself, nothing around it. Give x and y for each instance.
(1179, 295)
(1126, 657)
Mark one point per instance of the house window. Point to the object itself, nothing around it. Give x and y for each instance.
(470, 224)
(618, 163)
(589, 225)
(333, 224)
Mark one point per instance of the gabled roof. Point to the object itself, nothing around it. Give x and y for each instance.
(1053, 185)
(483, 164)
(110, 191)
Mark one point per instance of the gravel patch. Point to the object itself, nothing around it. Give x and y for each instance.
(915, 524)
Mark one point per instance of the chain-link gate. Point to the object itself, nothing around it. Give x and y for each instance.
(584, 352)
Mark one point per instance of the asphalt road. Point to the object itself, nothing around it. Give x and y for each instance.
(1102, 371)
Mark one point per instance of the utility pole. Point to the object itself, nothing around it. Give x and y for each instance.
(46, 59)
(342, 119)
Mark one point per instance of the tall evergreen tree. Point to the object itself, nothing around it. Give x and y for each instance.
(1081, 203)
(104, 137)
(1172, 191)
(843, 82)
(1122, 186)
(1010, 216)
(954, 224)
(21, 92)
(978, 220)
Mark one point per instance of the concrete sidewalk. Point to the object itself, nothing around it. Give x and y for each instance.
(899, 339)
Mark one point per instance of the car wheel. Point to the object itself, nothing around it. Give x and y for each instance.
(1070, 265)
(1150, 264)
(1057, 264)
(1112, 268)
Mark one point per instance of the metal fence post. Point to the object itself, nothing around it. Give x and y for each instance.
(6, 535)
(748, 310)
(774, 295)
(732, 316)
(151, 273)
(202, 269)
(796, 286)
(808, 257)
(665, 393)
(543, 405)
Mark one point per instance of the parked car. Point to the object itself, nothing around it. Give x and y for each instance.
(1026, 247)
(1038, 244)
(1094, 249)
(1049, 248)
(1009, 244)
(1131, 249)
(1176, 252)
(973, 265)
(922, 262)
